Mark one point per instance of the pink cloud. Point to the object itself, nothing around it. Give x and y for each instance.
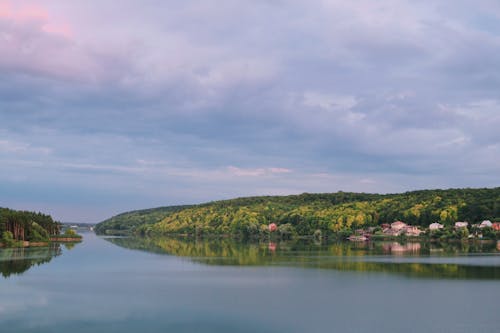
(36, 43)
(22, 13)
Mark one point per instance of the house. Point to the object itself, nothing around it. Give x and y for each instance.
(385, 226)
(496, 226)
(398, 225)
(486, 224)
(435, 226)
(412, 231)
(392, 232)
(461, 225)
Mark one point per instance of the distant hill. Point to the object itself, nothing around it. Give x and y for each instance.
(306, 213)
(125, 223)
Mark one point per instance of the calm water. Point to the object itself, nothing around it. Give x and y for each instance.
(167, 285)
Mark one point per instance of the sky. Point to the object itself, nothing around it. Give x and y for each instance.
(108, 106)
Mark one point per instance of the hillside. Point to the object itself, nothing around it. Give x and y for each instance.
(124, 223)
(306, 213)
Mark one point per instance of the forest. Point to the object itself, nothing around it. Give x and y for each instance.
(123, 224)
(307, 214)
(18, 226)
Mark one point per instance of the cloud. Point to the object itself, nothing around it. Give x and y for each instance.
(178, 102)
(7, 146)
(329, 102)
(256, 172)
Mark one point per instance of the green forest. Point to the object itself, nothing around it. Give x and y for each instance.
(18, 226)
(123, 224)
(307, 214)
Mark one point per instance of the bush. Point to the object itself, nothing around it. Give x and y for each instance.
(70, 233)
(286, 231)
(318, 234)
(7, 238)
(38, 234)
(463, 233)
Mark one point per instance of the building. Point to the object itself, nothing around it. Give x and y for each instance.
(398, 225)
(461, 225)
(385, 226)
(392, 232)
(412, 231)
(496, 226)
(435, 226)
(486, 224)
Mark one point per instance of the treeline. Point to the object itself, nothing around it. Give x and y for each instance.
(124, 223)
(324, 214)
(26, 226)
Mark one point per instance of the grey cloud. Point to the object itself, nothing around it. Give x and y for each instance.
(382, 96)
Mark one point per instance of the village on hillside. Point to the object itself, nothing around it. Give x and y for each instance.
(460, 230)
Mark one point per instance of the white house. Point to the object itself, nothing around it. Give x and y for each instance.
(461, 224)
(398, 225)
(486, 224)
(435, 226)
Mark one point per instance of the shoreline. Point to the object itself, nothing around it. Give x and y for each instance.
(26, 244)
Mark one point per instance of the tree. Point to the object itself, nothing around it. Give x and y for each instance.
(7, 238)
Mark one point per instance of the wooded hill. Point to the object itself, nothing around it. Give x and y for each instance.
(306, 213)
(26, 226)
(123, 224)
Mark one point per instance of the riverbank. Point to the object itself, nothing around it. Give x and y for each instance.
(63, 239)
(17, 244)
(25, 244)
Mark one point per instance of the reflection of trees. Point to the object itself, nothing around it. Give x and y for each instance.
(19, 260)
(69, 246)
(338, 256)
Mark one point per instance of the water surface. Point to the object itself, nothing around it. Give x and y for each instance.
(169, 285)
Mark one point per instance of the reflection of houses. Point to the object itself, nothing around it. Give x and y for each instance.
(486, 224)
(396, 247)
(435, 226)
(459, 225)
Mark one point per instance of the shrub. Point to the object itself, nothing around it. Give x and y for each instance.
(7, 238)
(38, 234)
(70, 233)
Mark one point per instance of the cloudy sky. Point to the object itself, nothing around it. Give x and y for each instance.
(108, 106)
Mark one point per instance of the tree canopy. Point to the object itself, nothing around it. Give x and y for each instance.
(306, 213)
(27, 226)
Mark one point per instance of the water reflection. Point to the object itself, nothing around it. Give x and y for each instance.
(398, 249)
(19, 260)
(426, 260)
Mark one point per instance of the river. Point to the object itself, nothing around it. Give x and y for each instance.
(170, 285)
